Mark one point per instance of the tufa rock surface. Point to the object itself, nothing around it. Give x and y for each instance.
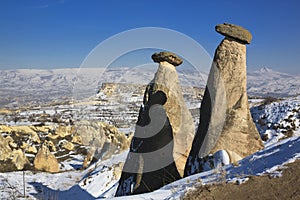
(225, 119)
(169, 57)
(103, 140)
(181, 120)
(237, 32)
(5, 149)
(91, 139)
(163, 135)
(46, 161)
(19, 159)
(149, 164)
(11, 160)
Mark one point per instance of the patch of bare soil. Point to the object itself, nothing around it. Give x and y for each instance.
(257, 187)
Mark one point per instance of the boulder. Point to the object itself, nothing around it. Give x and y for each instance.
(233, 31)
(22, 131)
(169, 57)
(77, 140)
(31, 149)
(19, 158)
(68, 146)
(24, 145)
(5, 149)
(46, 161)
(51, 146)
(11, 142)
(64, 131)
(53, 136)
(34, 137)
(225, 119)
(5, 129)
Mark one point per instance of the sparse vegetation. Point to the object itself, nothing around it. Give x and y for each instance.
(268, 100)
(12, 189)
(258, 187)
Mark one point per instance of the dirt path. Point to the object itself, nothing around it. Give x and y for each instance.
(262, 188)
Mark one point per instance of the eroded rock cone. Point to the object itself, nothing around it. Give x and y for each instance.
(163, 134)
(45, 160)
(181, 120)
(225, 119)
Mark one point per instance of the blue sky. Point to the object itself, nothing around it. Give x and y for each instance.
(61, 33)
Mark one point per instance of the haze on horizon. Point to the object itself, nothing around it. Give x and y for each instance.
(61, 33)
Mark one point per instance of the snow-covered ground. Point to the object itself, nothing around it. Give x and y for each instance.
(278, 123)
(268, 161)
(277, 120)
(98, 182)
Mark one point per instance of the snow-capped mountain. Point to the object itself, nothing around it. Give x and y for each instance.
(31, 85)
(267, 82)
(39, 86)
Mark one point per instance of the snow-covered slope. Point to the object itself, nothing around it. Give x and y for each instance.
(268, 161)
(277, 120)
(100, 179)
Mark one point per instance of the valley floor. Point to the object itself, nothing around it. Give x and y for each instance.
(278, 123)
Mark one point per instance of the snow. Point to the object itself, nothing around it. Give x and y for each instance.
(267, 161)
(97, 181)
(273, 121)
(102, 175)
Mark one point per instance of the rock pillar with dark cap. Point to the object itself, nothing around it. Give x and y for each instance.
(166, 80)
(163, 134)
(225, 119)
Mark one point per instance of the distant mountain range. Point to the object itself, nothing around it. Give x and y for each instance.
(267, 82)
(31, 85)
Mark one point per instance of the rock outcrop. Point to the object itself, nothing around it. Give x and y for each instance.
(225, 119)
(167, 57)
(19, 158)
(91, 139)
(103, 140)
(11, 160)
(163, 134)
(46, 161)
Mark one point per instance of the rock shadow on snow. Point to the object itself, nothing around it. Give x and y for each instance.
(74, 193)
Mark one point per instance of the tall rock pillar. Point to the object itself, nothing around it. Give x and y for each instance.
(225, 119)
(163, 134)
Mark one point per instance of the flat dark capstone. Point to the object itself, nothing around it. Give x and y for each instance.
(237, 32)
(167, 56)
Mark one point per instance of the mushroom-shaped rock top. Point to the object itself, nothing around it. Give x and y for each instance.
(237, 32)
(167, 56)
